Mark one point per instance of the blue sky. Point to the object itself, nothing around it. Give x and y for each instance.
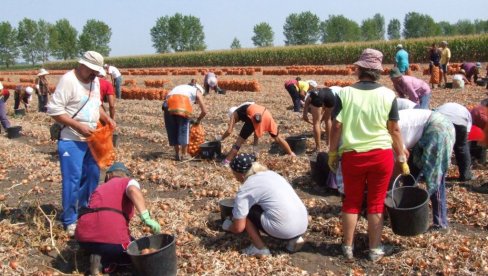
(222, 20)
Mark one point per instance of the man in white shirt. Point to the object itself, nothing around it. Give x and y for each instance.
(116, 77)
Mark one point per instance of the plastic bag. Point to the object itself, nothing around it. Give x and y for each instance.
(197, 137)
(101, 146)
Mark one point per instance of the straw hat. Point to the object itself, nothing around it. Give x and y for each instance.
(42, 72)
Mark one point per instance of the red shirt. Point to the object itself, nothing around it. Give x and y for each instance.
(5, 93)
(106, 88)
(107, 226)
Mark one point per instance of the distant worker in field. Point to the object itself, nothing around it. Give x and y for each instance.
(103, 226)
(401, 59)
(292, 87)
(258, 120)
(193, 82)
(459, 80)
(472, 69)
(434, 65)
(416, 90)
(116, 77)
(107, 94)
(22, 94)
(444, 61)
(42, 90)
(4, 95)
(210, 82)
(177, 108)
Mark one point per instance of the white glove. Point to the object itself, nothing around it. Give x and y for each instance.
(227, 224)
(218, 138)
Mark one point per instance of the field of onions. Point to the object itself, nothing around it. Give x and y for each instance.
(183, 196)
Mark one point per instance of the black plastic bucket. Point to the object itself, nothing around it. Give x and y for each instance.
(298, 144)
(408, 209)
(19, 112)
(226, 206)
(210, 150)
(319, 169)
(161, 262)
(449, 85)
(14, 132)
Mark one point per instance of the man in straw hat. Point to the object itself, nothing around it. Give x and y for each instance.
(42, 89)
(76, 105)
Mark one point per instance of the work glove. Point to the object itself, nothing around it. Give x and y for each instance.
(332, 161)
(404, 168)
(226, 224)
(218, 138)
(147, 220)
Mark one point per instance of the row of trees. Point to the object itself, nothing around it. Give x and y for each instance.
(37, 41)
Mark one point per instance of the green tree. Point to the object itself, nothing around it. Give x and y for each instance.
(373, 28)
(8, 44)
(95, 37)
(301, 29)
(338, 29)
(447, 28)
(26, 36)
(465, 27)
(481, 26)
(42, 39)
(178, 33)
(63, 40)
(419, 25)
(263, 35)
(236, 44)
(394, 27)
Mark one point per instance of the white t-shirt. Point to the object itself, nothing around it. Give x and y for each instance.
(69, 97)
(412, 123)
(405, 104)
(114, 72)
(284, 215)
(185, 89)
(457, 114)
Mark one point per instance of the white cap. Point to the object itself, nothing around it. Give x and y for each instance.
(29, 90)
(231, 111)
(212, 81)
(199, 87)
(312, 83)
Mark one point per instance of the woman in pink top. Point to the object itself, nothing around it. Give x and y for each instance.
(416, 90)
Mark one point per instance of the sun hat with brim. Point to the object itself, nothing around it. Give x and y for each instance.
(42, 72)
(370, 59)
(395, 73)
(29, 90)
(399, 46)
(92, 60)
(242, 163)
(312, 83)
(118, 166)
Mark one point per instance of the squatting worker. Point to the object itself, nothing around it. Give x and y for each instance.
(107, 93)
(4, 95)
(78, 92)
(42, 89)
(265, 202)
(321, 102)
(257, 119)
(22, 94)
(116, 77)
(210, 82)
(416, 90)
(424, 133)
(103, 227)
(178, 109)
(365, 121)
(472, 69)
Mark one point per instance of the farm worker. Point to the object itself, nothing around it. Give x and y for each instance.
(460, 117)
(76, 105)
(444, 61)
(42, 89)
(434, 64)
(210, 82)
(107, 93)
(258, 120)
(405, 104)
(321, 102)
(292, 87)
(103, 226)
(426, 132)
(401, 59)
(116, 77)
(303, 88)
(178, 109)
(265, 202)
(24, 95)
(365, 120)
(416, 90)
(4, 94)
(472, 69)
(459, 80)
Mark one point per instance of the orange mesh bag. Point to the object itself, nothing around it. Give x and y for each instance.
(101, 146)
(179, 105)
(197, 137)
(435, 77)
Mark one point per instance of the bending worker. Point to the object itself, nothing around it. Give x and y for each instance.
(321, 102)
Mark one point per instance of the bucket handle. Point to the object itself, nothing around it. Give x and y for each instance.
(393, 188)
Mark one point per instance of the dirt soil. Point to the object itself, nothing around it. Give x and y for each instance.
(183, 197)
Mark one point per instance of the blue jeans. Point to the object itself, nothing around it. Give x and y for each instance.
(80, 174)
(3, 115)
(424, 101)
(118, 83)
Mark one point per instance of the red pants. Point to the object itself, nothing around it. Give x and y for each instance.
(369, 171)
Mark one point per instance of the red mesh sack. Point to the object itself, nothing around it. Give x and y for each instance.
(197, 137)
(101, 146)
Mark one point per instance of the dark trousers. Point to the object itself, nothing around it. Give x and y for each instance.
(42, 99)
(110, 253)
(16, 101)
(461, 152)
(295, 97)
(477, 152)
